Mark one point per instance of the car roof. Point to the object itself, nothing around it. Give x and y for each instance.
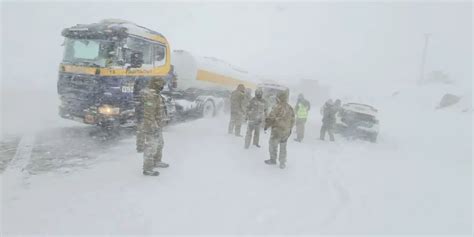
(361, 108)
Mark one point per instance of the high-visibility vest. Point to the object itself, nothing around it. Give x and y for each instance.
(302, 111)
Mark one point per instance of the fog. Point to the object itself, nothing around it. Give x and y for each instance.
(353, 42)
(349, 46)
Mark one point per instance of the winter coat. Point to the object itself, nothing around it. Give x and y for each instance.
(329, 114)
(257, 110)
(237, 103)
(154, 111)
(281, 119)
(137, 98)
(302, 108)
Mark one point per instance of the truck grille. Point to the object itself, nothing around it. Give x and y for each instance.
(77, 93)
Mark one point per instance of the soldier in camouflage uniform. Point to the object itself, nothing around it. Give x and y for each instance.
(281, 119)
(237, 110)
(256, 112)
(153, 115)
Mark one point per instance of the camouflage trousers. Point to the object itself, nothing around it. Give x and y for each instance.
(252, 127)
(235, 123)
(278, 140)
(327, 127)
(153, 150)
(140, 142)
(300, 124)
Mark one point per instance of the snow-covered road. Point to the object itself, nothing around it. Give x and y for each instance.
(401, 185)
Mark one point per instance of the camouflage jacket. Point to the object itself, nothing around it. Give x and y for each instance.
(257, 110)
(153, 110)
(138, 88)
(237, 102)
(281, 119)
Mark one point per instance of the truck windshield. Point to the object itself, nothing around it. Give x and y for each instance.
(89, 52)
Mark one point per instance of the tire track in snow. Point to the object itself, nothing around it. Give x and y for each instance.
(332, 174)
(23, 152)
(17, 167)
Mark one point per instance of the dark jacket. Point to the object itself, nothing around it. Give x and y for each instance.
(329, 114)
(237, 102)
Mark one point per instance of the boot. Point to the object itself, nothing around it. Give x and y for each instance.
(257, 145)
(282, 165)
(270, 162)
(161, 164)
(151, 173)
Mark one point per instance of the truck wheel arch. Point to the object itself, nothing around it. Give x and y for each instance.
(208, 108)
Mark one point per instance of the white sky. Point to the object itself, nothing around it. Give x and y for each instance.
(327, 41)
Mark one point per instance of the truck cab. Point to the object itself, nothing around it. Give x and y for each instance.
(102, 65)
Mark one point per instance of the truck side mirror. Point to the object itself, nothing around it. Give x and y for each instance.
(136, 59)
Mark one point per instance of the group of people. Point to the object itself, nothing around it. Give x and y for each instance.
(151, 111)
(280, 120)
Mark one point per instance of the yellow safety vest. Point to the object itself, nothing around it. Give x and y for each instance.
(302, 111)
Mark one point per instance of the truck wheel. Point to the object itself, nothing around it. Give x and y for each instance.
(208, 109)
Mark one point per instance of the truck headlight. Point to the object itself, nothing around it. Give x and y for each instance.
(108, 110)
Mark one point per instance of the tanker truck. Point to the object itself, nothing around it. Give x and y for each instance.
(200, 86)
(105, 63)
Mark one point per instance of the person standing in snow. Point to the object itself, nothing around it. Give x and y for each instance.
(154, 113)
(302, 108)
(328, 111)
(237, 110)
(281, 120)
(256, 112)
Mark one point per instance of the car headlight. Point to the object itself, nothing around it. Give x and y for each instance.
(109, 110)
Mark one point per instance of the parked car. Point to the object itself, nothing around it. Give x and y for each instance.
(358, 121)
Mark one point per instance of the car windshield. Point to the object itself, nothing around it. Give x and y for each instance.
(89, 52)
(354, 117)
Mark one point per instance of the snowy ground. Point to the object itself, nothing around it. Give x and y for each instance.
(415, 180)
